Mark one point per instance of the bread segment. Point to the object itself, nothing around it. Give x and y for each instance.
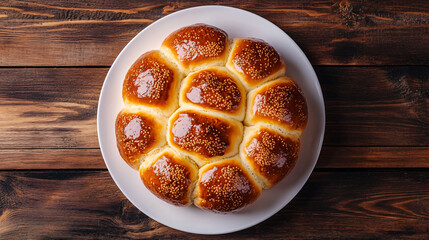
(202, 136)
(138, 133)
(269, 154)
(169, 176)
(280, 103)
(197, 47)
(225, 186)
(254, 61)
(152, 82)
(214, 90)
(182, 125)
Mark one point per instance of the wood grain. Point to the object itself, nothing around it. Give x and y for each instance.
(347, 32)
(373, 157)
(51, 159)
(88, 205)
(376, 119)
(365, 106)
(49, 108)
(370, 106)
(330, 157)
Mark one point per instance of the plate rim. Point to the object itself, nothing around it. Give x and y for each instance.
(317, 87)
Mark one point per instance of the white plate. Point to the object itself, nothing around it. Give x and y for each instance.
(237, 23)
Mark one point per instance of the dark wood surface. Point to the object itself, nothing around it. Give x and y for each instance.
(372, 177)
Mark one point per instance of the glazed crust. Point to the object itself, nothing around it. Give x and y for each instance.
(279, 102)
(152, 82)
(196, 45)
(269, 154)
(138, 133)
(170, 177)
(214, 89)
(225, 186)
(255, 61)
(204, 137)
(182, 125)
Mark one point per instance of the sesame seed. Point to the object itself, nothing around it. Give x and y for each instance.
(255, 59)
(225, 188)
(281, 102)
(271, 154)
(169, 179)
(208, 136)
(214, 90)
(148, 80)
(134, 134)
(197, 42)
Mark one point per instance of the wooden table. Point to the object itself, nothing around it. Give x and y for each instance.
(372, 178)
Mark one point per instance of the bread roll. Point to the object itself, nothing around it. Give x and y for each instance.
(185, 105)
(196, 47)
(280, 103)
(216, 90)
(152, 82)
(138, 133)
(268, 154)
(225, 186)
(254, 61)
(169, 176)
(202, 136)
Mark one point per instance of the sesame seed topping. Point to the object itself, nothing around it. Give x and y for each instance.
(197, 42)
(169, 179)
(225, 187)
(208, 136)
(214, 90)
(148, 80)
(272, 155)
(134, 135)
(255, 59)
(283, 103)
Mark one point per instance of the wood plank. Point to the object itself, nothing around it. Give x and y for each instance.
(373, 157)
(79, 33)
(49, 108)
(330, 157)
(51, 159)
(363, 205)
(376, 106)
(365, 106)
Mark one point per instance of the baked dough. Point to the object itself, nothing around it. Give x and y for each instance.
(209, 120)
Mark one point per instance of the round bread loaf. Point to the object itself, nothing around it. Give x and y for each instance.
(255, 61)
(269, 154)
(152, 82)
(197, 46)
(204, 137)
(138, 133)
(169, 176)
(185, 110)
(280, 103)
(214, 90)
(225, 186)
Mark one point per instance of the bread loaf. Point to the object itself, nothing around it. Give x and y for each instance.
(209, 120)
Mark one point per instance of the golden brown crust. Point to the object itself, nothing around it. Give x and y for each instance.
(280, 102)
(225, 187)
(271, 154)
(254, 60)
(170, 178)
(136, 135)
(197, 43)
(150, 81)
(198, 133)
(207, 128)
(213, 89)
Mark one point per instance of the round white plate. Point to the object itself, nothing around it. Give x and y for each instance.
(237, 23)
